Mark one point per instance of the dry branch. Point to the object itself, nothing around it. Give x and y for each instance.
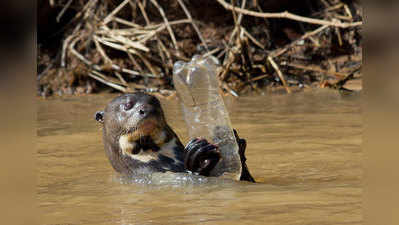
(287, 15)
(280, 74)
(193, 24)
(281, 51)
(115, 11)
(137, 42)
(161, 11)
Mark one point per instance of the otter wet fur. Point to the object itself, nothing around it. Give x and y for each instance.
(138, 140)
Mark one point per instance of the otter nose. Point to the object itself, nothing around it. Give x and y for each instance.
(144, 110)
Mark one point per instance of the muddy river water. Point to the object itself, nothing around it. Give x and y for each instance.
(303, 149)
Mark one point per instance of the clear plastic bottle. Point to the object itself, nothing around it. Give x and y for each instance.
(204, 111)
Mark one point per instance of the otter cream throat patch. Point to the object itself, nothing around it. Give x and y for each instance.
(127, 147)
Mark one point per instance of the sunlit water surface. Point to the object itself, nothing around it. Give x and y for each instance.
(303, 149)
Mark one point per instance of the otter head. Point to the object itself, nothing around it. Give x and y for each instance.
(137, 114)
(135, 133)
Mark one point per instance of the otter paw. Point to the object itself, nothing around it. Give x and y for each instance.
(201, 156)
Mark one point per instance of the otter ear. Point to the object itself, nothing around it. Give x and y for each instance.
(100, 116)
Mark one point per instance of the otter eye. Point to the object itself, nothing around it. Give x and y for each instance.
(141, 112)
(127, 106)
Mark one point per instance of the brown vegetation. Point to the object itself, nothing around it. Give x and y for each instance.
(127, 45)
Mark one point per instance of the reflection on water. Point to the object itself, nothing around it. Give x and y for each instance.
(304, 150)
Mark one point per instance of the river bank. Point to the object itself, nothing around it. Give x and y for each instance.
(87, 47)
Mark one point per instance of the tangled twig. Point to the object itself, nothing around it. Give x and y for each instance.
(132, 45)
(290, 16)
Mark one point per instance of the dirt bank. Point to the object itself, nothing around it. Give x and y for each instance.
(121, 45)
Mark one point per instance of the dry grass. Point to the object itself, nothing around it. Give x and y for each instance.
(122, 46)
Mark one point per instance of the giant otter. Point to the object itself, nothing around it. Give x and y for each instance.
(138, 140)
